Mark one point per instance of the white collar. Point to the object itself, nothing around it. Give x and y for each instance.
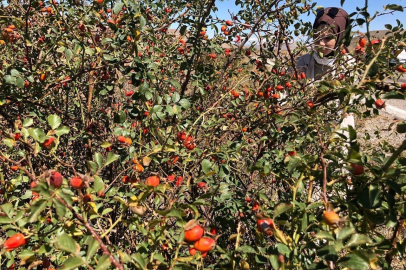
(323, 61)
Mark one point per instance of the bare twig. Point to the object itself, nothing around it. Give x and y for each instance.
(93, 233)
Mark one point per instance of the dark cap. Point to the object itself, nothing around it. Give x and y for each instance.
(337, 18)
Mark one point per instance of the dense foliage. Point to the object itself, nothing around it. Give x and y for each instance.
(120, 134)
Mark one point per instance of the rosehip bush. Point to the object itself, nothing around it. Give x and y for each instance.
(126, 144)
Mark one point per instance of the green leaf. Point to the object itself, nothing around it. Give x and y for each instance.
(120, 117)
(175, 97)
(370, 198)
(175, 213)
(66, 195)
(72, 263)
(10, 143)
(394, 7)
(159, 257)
(99, 159)
(139, 260)
(345, 232)
(61, 131)
(28, 122)
(175, 83)
(324, 235)
(60, 208)
(304, 223)
(66, 243)
(36, 209)
(247, 249)
(118, 7)
(111, 157)
(353, 261)
(37, 134)
(20, 82)
(89, 51)
(68, 54)
(9, 79)
(5, 220)
(105, 144)
(14, 72)
(184, 103)
(401, 127)
(25, 254)
(104, 263)
(54, 121)
(283, 249)
(98, 184)
(373, 70)
(393, 95)
(282, 208)
(183, 30)
(357, 240)
(224, 170)
(352, 132)
(169, 110)
(142, 21)
(274, 261)
(92, 247)
(7, 209)
(206, 166)
(92, 166)
(293, 163)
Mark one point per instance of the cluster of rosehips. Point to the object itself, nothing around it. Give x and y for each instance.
(179, 179)
(202, 244)
(268, 93)
(125, 140)
(362, 43)
(227, 51)
(56, 181)
(10, 33)
(224, 27)
(188, 141)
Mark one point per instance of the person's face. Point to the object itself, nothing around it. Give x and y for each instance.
(324, 39)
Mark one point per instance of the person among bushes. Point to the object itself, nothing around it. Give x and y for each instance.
(323, 61)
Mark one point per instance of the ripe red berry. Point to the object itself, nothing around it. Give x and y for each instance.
(194, 234)
(279, 87)
(56, 179)
(204, 244)
(15, 241)
(77, 183)
(152, 181)
(48, 141)
(362, 42)
(357, 169)
(379, 103)
(201, 185)
(121, 139)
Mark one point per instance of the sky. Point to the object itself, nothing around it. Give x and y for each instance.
(349, 5)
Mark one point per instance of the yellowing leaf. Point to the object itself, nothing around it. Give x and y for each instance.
(146, 161)
(137, 34)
